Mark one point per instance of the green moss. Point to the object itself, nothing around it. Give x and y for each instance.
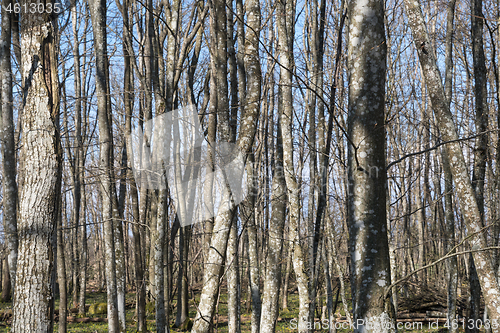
(92, 309)
(98, 308)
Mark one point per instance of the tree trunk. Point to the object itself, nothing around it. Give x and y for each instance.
(117, 219)
(329, 290)
(182, 277)
(140, 281)
(119, 256)
(270, 309)
(139, 250)
(421, 222)
(248, 213)
(98, 17)
(84, 249)
(40, 197)
(368, 245)
(286, 279)
(217, 251)
(451, 264)
(480, 149)
(128, 98)
(232, 260)
(222, 225)
(61, 276)
(444, 117)
(8, 145)
(285, 44)
(233, 282)
(161, 320)
(6, 283)
(323, 145)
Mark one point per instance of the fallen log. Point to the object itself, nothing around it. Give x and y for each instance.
(411, 315)
(73, 319)
(436, 314)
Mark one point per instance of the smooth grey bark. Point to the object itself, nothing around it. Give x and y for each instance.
(465, 191)
(183, 285)
(277, 193)
(160, 316)
(480, 149)
(8, 146)
(6, 284)
(329, 291)
(391, 239)
(146, 198)
(270, 308)
(240, 56)
(84, 246)
(182, 277)
(233, 282)
(40, 196)
(421, 222)
(497, 267)
(481, 104)
(164, 103)
(222, 223)
(232, 260)
(76, 167)
(310, 109)
(368, 244)
(160, 197)
(119, 250)
(98, 17)
(232, 71)
(285, 49)
(248, 213)
(286, 278)
(16, 37)
(323, 145)
(128, 97)
(117, 218)
(211, 137)
(392, 234)
(161, 212)
(474, 307)
(452, 263)
(247, 129)
(61, 276)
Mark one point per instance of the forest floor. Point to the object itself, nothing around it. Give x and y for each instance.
(286, 321)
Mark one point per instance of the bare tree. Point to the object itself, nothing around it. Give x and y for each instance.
(480, 151)
(8, 145)
(452, 270)
(368, 245)
(98, 17)
(276, 225)
(465, 191)
(61, 275)
(247, 129)
(285, 45)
